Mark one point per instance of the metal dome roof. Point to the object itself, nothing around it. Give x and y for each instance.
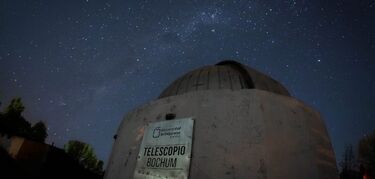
(224, 75)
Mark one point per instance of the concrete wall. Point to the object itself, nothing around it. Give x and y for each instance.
(12, 145)
(237, 134)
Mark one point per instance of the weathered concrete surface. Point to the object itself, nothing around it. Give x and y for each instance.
(245, 133)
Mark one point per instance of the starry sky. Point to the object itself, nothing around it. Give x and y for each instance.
(80, 65)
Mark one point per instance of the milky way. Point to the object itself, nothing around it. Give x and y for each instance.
(80, 65)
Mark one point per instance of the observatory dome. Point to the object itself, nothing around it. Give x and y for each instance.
(224, 75)
(233, 121)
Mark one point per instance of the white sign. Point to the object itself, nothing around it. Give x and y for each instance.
(165, 151)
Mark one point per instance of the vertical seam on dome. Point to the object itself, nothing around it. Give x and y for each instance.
(230, 79)
(178, 85)
(239, 77)
(187, 83)
(197, 81)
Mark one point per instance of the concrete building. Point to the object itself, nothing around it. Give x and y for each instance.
(23, 158)
(246, 125)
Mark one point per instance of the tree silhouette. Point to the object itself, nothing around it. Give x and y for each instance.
(12, 120)
(366, 154)
(13, 123)
(349, 164)
(15, 107)
(84, 154)
(39, 132)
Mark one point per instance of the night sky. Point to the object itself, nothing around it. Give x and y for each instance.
(81, 65)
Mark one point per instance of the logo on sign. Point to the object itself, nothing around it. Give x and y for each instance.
(156, 132)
